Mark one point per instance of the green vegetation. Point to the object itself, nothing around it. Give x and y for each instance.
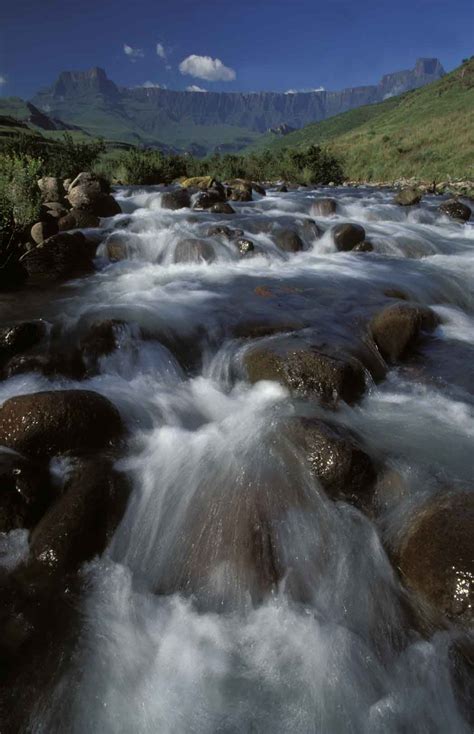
(427, 133)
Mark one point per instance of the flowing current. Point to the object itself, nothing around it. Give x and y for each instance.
(180, 630)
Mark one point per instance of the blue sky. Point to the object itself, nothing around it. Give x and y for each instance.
(246, 45)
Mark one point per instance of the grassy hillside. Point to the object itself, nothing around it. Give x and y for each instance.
(427, 133)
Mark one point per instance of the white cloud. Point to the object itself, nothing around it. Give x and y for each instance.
(3, 80)
(161, 51)
(305, 91)
(195, 88)
(152, 85)
(133, 53)
(204, 67)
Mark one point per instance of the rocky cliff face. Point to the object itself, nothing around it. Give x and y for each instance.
(150, 113)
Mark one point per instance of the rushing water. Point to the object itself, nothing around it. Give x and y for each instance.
(181, 631)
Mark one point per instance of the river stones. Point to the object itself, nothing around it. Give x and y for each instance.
(18, 338)
(207, 199)
(308, 372)
(79, 524)
(42, 230)
(436, 555)
(365, 246)
(51, 188)
(44, 424)
(178, 199)
(258, 188)
(244, 245)
(287, 240)
(348, 236)
(407, 197)
(101, 339)
(78, 219)
(256, 329)
(193, 251)
(344, 470)
(397, 328)
(324, 207)
(222, 207)
(25, 491)
(309, 230)
(61, 256)
(456, 210)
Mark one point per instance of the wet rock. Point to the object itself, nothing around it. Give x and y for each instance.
(324, 207)
(42, 230)
(60, 256)
(78, 219)
(308, 372)
(258, 188)
(436, 555)
(106, 206)
(396, 328)
(178, 199)
(199, 182)
(348, 236)
(193, 250)
(86, 179)
(53, 210)
(51, 188)
(258, 329)
(244, 245)
(309, 230)
(287, 240)
(456, 210)
(25, 492)
(92, 193)
(396, 293)
(345, 471)
(208, 199)
(365, 246)
(222, 207)
(116, 249)
(18, 338)
(222, 231)
(79, 525)
(282, 189)
(101, 339)
(240, 195)
(407, 197)
(47, 423)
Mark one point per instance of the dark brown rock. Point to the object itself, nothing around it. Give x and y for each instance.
(258, 188)
(18, 338)
(42, 230)
(258, 329)
(207, 199)
(194, 250)
(396, 328)
(178, 199)
(78, 219)
(25, 492)
(44, 424)
(244, 245)
(52, 210)
(324, 207)
(106, 206)
(436, 555)
(345, 471)
(116, 249)
(222, 207)
(456, 210)
(363, 247)
(101, 339)
(60, 256)
(287, 240)
(408, 197)
(308, 372)
(347, 236)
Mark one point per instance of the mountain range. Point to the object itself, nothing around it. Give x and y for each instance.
(201, 122)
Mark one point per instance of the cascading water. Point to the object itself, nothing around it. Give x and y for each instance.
(235, 596)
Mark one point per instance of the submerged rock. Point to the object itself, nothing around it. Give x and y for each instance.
(456, 210)
(25, 491)
(244, 245)
(324, 207)
(178, 199)
(408, 197)
(18, 338)
(345, 471)
(308, 372)
(222, 207)
(436, 555)
(287, 240)
(397, 327)
(193, 251)
(44, 424)
(348, 236)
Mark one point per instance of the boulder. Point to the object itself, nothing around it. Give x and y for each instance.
(53, 210)
(244, 245)
(257, 329)
(79, 525)
(456, 210)
(282, 189)
(18, 338)
(308, 372)
(365, 246)
(208, 199)
(408, 197)
(347, 236)
(44, 424)
(106, 206)
(222, 231)
(116, 249)
(240, 195)
(90, 181)
(42, 230)
(78, 219)
(199, 182)
(101, 339)
(335, 457)
(60, 256)
(436, 555)
(287, 240)
(51, 188)
(66, 184)
(177, 199)
(193, 250)
(25, 491)
(258, 188)
(309, 230)
(324, 207)
(397, 328)
(222, 207)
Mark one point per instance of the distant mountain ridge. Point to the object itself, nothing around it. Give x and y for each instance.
(204, 122)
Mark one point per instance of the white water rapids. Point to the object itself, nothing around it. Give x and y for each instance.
(180, 633)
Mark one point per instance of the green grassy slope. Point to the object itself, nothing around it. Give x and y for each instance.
(427, 133)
